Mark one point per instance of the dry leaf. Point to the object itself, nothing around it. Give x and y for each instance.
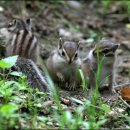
(65, 101)
(125, 93)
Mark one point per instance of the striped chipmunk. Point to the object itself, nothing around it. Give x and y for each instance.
(19, 39)
(63, 64)
(105, 52)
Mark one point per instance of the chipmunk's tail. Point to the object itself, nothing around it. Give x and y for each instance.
(35, 76)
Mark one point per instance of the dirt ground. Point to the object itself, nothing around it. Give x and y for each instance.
(78, 21)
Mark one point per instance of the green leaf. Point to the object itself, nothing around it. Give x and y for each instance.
(127, 118)
(87, 102)
(38, 105)
(68, 116)
(106, 108)
(84, 79)
(86, 125)
(16, 73)
(16, 99)
(8, 109)
(8, 62)
(77, 101)
(101, 122)
(79, 110)
(4, 64)
(90, 40)
(1, 82)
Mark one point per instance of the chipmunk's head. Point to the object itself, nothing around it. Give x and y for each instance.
(105, 48)
(13, 27)
(68, 50)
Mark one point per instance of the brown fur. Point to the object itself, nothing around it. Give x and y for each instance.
(106, 50)
(21, 40)
(64, 68)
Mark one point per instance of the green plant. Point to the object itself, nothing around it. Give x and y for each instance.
(106, 3)
(67, 119)
(16, 96)
(20, 105)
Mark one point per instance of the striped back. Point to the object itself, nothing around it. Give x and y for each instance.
(20, 39)
(35, 76)
(23, 44)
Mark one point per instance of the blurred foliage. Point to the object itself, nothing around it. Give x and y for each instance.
(22, 107)
(124, 5)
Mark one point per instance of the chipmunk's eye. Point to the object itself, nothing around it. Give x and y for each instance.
(63, 53)
(105, 51)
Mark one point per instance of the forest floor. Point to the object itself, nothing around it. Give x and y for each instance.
(85, 22)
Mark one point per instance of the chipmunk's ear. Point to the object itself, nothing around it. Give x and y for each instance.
(78, 44)
(96, 49)
(29, 23)
(60, 43)
(115, 47)
(12, 23)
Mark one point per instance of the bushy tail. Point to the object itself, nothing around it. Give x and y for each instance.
(35, 76)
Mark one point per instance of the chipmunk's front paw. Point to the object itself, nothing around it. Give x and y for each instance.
(72, 86)
(60, 77)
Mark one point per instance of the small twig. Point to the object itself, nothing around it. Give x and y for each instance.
(122, 98)
(124, 101)
(121, 85)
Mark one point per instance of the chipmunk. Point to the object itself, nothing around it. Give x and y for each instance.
(20, 40)
(102, 54)
(63, 65)
(36, 78)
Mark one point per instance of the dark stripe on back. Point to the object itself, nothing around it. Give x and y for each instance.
(15, 42)
(33, 49)
(29, 44)
(22, 42)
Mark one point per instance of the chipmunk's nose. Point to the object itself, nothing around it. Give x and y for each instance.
(70, 61)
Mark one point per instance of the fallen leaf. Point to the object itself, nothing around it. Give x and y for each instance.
(125, 93)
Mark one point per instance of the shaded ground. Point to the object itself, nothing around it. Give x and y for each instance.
(78, 21)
